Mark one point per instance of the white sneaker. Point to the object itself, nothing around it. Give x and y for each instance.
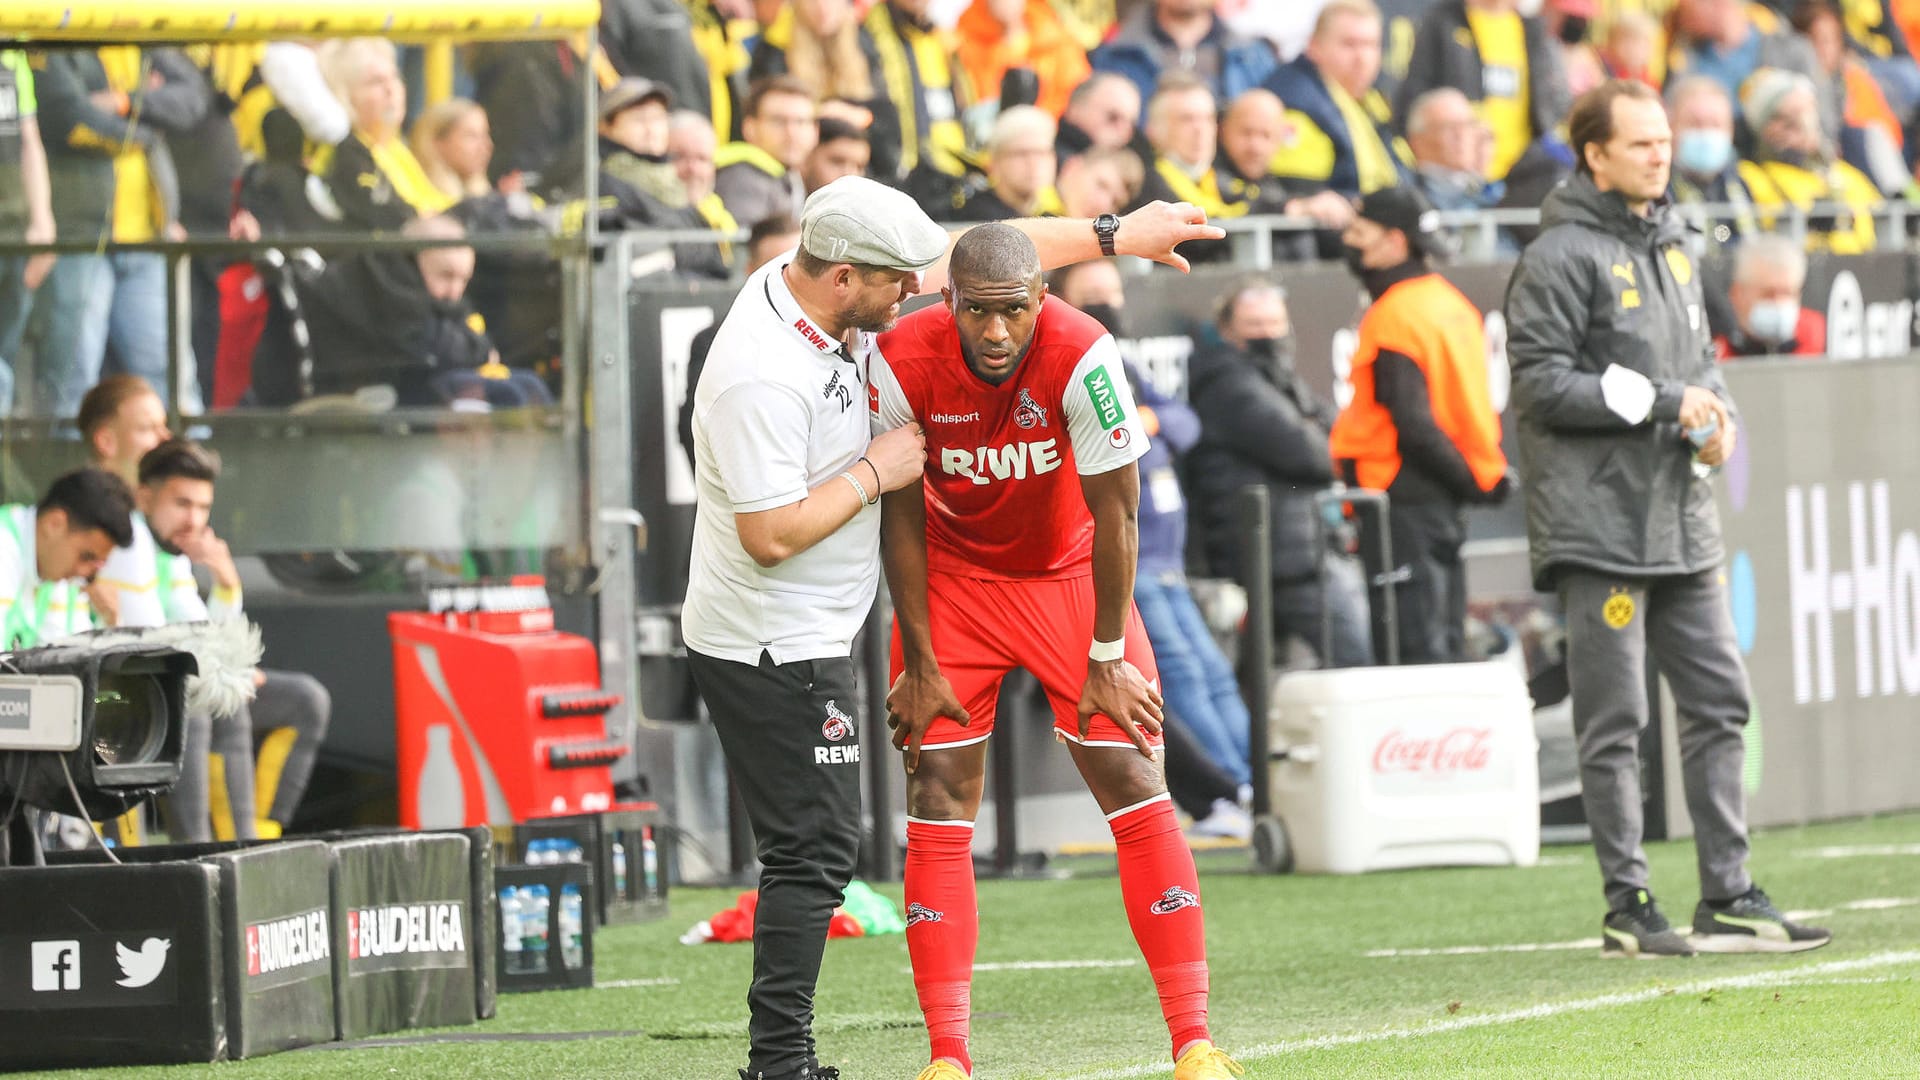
(1226, 819)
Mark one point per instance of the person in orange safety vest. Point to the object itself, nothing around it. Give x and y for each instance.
(1421, 425)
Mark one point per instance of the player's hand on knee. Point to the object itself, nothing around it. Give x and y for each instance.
(914, 703)
(898, 456)
(1118, 691)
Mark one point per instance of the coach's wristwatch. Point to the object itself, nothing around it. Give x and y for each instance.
(1105, 227)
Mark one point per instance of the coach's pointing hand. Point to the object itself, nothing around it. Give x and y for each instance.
(898, 457)
(1116, 690)
(1154, 230)
(915, 702)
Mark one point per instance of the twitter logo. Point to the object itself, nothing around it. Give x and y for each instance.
(141, 967)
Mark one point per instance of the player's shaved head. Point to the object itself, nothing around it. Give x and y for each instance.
(994, 253)
(995, 293)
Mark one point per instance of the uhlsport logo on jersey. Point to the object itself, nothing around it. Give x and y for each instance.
(434, 934)
(291, 942)
(838, 726)
(1029, 414)
(1173, 900)
(837, 389)
(1106, 400)
(920, 913)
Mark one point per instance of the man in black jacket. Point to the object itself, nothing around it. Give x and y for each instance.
(400, 320)
(1622, 414)
(1260, 424)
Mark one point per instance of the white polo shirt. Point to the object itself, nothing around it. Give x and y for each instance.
(780, 408)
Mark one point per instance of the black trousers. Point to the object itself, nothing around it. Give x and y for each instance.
(791, 735)
(1431, 602)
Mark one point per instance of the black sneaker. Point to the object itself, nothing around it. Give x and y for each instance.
(1641, 931)
(1749, 923)
(807, 1072)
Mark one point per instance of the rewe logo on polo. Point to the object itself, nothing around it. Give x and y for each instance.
(287, 943)
(405, 928)
(986, 464)
(1459, 750)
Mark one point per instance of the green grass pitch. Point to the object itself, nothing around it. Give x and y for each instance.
(1295, 993)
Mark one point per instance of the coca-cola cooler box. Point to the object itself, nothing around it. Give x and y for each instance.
(1387, 768)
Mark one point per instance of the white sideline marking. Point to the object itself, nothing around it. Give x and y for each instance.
(627, 984)
(1777, 977)
(1848, 851)
(1478, 950)
(1049, 965)
(1879, 903)
(1870, 980)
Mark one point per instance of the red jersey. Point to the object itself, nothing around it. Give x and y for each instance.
(1004, 462)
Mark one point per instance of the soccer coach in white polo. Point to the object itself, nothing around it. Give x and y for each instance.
(786, 548)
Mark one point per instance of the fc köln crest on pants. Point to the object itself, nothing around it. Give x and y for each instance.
(838, 726)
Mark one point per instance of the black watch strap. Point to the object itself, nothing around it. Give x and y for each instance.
(1105, 227)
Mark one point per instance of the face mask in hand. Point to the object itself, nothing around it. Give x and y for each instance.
(1774, 321)
(1109, 316)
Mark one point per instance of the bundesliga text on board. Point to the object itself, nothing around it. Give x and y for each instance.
(289, 949)
(388, 937)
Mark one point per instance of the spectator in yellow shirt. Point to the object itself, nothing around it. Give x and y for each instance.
(1504, 64)
(1793, 164)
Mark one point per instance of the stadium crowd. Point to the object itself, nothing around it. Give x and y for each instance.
(717, 118)
(725, 114)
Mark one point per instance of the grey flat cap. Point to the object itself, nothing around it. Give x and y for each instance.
(857, 220)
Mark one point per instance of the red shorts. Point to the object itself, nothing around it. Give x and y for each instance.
(983, 629)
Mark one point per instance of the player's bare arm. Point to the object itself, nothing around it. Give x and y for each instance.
(892, 461)
(921, 694)
(1151, 232)
(1115, 688)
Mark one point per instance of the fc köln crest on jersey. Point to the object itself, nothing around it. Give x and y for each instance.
(1029, 414)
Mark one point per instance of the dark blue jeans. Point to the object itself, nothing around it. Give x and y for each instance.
(1195, 677)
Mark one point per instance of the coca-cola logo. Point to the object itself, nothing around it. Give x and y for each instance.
(1459, 750)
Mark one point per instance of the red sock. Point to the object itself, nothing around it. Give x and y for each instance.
(943, 930)
(1162, 894)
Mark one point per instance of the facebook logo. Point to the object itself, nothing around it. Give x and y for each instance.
(56, 965)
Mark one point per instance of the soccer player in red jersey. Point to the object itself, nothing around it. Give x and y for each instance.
(1018, 550)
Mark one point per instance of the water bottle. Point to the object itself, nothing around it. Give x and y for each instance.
(1699, 437)
(619, 868)
(573, 950)
(510, 941)
(649, 865)
(564, 851)
(440, 798)
(534, 908)
(540, 853)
